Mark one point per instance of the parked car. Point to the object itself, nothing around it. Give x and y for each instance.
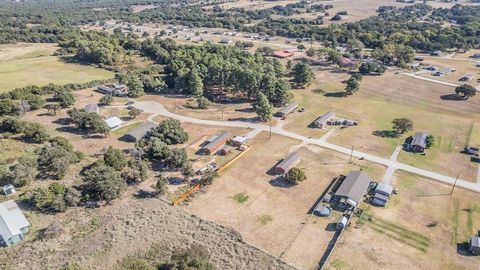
(471, 150)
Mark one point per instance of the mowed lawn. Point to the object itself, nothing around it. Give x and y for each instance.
(33, 64)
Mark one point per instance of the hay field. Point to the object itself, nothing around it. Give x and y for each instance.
(34, 64)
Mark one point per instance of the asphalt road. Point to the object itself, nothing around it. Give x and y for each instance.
(392, 164)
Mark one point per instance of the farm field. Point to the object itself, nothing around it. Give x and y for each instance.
(33, 64)
(270, 214)
(382, 99)
(422, 227)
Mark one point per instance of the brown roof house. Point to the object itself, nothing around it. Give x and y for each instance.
(215, 144)
(289, 162)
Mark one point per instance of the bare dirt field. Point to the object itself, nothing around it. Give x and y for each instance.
(421, 228)
(268, 213)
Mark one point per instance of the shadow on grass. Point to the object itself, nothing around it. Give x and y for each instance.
(463, 249)
(385, 133)
(335, 94)
(454, 97)
(280, 182)
(143, 194)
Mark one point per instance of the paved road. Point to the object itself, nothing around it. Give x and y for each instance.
(430, 80)
(158, 109)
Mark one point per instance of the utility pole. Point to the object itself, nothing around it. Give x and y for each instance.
(270, 136)
(351, 156)
(222, 111)
(454, 184)
(174, 104)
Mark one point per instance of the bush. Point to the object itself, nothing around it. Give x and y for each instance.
(169, 131)
(195, 257)
(103, 182)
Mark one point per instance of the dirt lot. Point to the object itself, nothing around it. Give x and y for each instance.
(421, 228)
(268, 213)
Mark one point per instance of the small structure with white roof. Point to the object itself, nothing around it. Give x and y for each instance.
(8, 189)
(13, 224)
(113, 122)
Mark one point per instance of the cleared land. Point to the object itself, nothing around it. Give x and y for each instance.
(268, 213)
(33, 64)
(421, 228)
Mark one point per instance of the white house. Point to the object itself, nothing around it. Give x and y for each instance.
(13, 224)
(113, 122)
(8, 189)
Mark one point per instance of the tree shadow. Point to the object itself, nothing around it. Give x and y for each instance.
(385, 133)
(454, 97)
(272, 171)
(71, 129)
(144, 194)
(244, 119)
(331, 227)
(62, 121)
(280, 182)
(245, 110)
(335, 94)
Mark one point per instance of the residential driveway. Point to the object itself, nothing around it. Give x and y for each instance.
(157, 108)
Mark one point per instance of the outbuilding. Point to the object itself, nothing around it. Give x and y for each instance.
(215, 144)
(475, 245)
(289, 162)
(345, 62)
(287, 109)
(352, 189)
(282, 54)
(13, 224)
(139, 132)
(419, 142)
(8, 189)
(91, 108)
(238, 140)
(342, 223)
(224, 150)
(113, 122)
(322, 210)
(322, 120)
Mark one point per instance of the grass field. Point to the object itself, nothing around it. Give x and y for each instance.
(33, 64)
(422, 227)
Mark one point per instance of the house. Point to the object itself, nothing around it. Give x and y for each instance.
(322, 120)
(8, 189)
(215, 144)
(419, 142)
(139, 132)
(113, 122)
(475, 245)
(476, 56)
(238, 140)
(322, 210)
(91, 108)
(287, 109)
(382, 194)
(13, 224)
(225, 41)
(289, 162)
(282, 54)
(436, 53)
(346, 62)
(224, 150)
(352, 189)
(119, 90)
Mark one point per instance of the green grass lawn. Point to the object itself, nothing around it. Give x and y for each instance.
(36, 68)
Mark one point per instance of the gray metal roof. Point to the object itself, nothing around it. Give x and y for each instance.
(289, 162)
(289, 108)
(139, 132)
(324, 118)
(354, 186)
(420, 139)
(475, 241)
(219, 141)
(91, 107)
(384, 189)
(11, 219)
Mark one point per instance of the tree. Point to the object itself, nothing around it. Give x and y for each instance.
(12, 125)
(295, 175)
(158, 150)
(136, 171)
(266, 51)
(302, 74)
(263, 108)
(289, 65)
(35, 133)
(178, 159)
(54, 160)
(281, 93)
(401, 125)
(430, 140)
(203, 103)
(51, 198)
(352, 86)
(371, 67)
(104, 182)
(24, 171)
(194, 84)
(64, 98)
(106, 100)
(161, 185)
(209, 176)
(187, 170)
(301, 47)
(133, 113)
(337, 17)
(466, 91)
(52, 108)
(7, 107)
(115, 158)
(169, 131)
(135, 87)
(311, 52)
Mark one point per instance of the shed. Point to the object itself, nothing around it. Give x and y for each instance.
(282, 54)
(218, 142)
(289, 162)
(342, 223)
(113, 122)
(139, 132)
(8, 189)
(352, 189)
(419, 142)
(346, 62)
(475, 245)
(13, 224)
(379, 199)
(224, 150)
(322, 120)
(322, 210)
(91, 108)
(466, 78)
(287, 109)
(238, 140)
(384, 189)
